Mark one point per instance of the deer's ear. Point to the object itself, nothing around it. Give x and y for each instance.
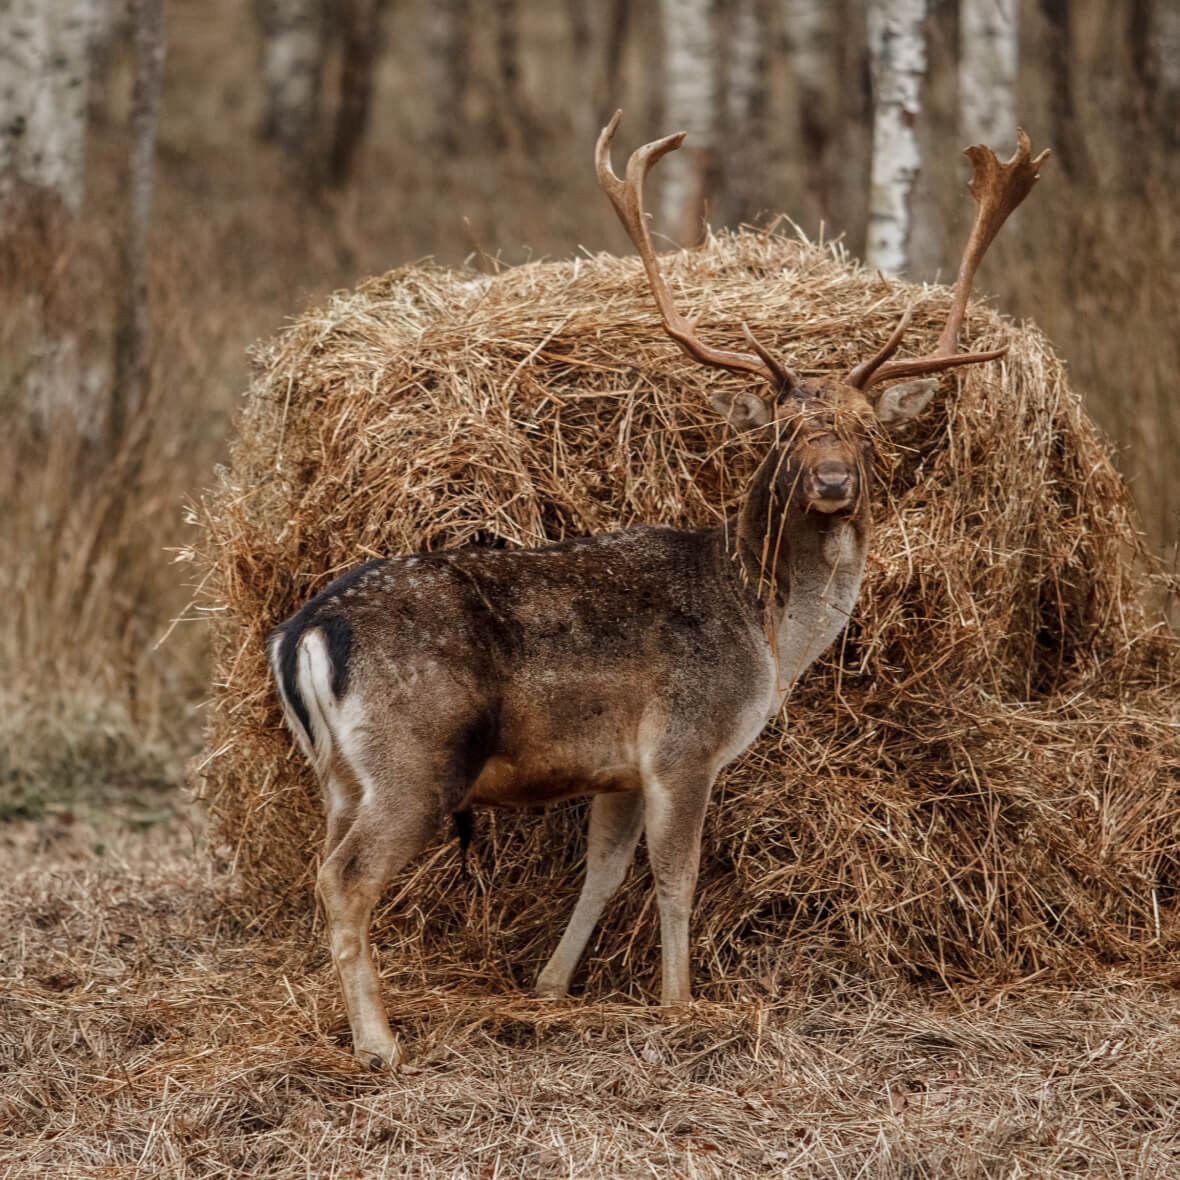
(899, 403)
(742, 410)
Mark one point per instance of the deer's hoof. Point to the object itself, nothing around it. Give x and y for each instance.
(378, 1060)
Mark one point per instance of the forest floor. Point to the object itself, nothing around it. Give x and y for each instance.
(147, 1032)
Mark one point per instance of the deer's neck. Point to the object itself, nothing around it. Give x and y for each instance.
(802, 569)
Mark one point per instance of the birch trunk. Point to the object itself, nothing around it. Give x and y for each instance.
(745, 109)
(690, 104)
(44, 76)
(897, 44)
(988, 47)
(448, 68)
(811, 51)
(132, 330)
(43, 113)
(292, 68)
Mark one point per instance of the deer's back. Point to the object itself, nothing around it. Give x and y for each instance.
(553, 671)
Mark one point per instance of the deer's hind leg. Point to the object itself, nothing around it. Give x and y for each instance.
(397, 814)
(341, 793)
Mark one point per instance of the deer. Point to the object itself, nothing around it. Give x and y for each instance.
(629, 666)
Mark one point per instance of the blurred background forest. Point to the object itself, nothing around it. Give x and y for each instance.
(178, 178)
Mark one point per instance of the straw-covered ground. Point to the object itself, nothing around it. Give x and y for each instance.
(145, 1032)
(935, 934)
(976, 786)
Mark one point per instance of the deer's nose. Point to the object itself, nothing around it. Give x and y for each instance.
(833, 481)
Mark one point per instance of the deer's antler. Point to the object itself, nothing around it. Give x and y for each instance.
(627, 198)
(997, 189)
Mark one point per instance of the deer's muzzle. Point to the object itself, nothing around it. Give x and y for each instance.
(831, 485)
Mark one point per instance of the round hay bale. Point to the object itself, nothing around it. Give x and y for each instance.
(977, 782)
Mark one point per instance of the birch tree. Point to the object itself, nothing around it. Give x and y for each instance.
(988, 46)
(690, 104)
(897, 45)
(44, 76)
(132, 329)
(293, 49)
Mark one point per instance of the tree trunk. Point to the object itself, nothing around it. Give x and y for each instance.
(448, 70)
(597, 34)
(1065, 135)
(292, 69)
(1166, 35)
(43, 115)
(690, 104)
(511, 107)
(132, 330)
(988, 46)
(745, 110)
(618, 22)
(107, 19)
(897, 43)
(44, 76)
(359, 21)
(811, 52)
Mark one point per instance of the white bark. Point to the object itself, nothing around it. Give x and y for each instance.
(897, 43)
(292, 64)
(44, 78)
(988, 46)
(690, 104)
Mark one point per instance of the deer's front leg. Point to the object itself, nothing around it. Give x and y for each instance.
(675, 813)
(615, 824)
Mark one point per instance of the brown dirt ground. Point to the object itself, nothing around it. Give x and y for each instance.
(144, 1032)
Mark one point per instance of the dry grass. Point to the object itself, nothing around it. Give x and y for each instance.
(145, 1033)
(148, 1028)
(235, 249)
(977, 784)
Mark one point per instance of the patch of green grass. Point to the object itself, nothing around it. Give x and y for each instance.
(93, 770)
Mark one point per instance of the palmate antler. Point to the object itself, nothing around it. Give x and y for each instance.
(627, 198)
(997, 189)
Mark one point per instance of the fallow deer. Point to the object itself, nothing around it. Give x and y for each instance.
(631, 666)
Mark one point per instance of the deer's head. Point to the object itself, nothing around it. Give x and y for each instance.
(822, 429)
